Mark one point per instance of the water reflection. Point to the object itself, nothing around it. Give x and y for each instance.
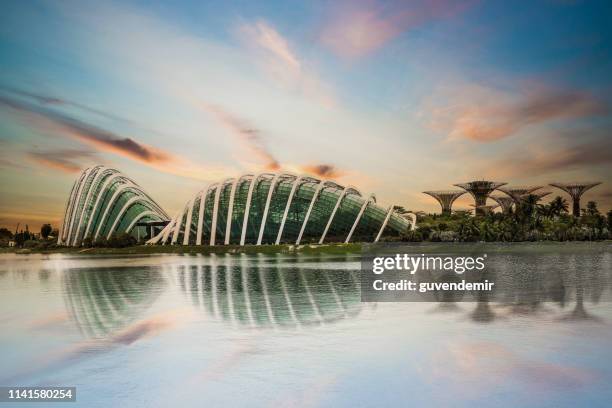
(248, 293)
(103, 296)
(534, 285)
(103, 301)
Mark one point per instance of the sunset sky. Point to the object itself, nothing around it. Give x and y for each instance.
(392, 97)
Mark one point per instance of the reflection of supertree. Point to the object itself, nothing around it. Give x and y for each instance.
(447, 300)
(483, 312)
(445, 198)
(504, 201)
(594, 287)
(255, 295)
(103, 301)
(576, 190)
(480, 190)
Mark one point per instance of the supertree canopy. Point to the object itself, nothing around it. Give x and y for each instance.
(518, 192)
(576, 190)
(504, 201)
(480, 190)
(445, 198)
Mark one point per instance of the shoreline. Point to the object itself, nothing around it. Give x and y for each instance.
(323, 249)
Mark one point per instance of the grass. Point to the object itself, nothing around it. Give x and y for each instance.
(195, 249)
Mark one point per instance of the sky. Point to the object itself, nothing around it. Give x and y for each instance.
(392, 97)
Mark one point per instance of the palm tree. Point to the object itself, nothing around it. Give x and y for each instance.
(592, 208)
(558, 206)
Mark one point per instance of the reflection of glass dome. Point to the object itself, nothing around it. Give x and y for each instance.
(270, 296)
(279, 208)
(106, 300)
(103, 201)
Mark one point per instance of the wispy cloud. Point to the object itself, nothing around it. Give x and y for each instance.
(52, 100)
(283, 63)
(581, 149)
(244, 133)
(106, 141)
(99, 138)
(62, 160)
(486, 114)
(358, 28)
(270, 40)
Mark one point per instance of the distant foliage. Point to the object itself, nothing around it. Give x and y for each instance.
(530, 221)
(45, 231)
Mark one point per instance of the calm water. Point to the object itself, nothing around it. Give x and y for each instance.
(291, 331)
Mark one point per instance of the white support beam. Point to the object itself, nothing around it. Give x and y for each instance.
(123, 210)
(103, 192)
(307, 216)
(76, 203)
(247, 208)
(361, 211)
(294, 187)
(384, 224)
(62, 232)
(202, 208)
(266, 208)
(213, 226)
(177, 227)
(230, 211)
(168, 228)
(138, 218)
(111, 204)
(99, 170)
(333, 214)
(187, 230)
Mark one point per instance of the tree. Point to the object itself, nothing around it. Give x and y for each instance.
(45, 230)
(400, 209)
(5, 234)
(592, 208)
(558, 206)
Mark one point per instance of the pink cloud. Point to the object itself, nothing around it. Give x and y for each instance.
(248, 135)
(360, 28)
(491, 364)
(277, 56)
(485, 114)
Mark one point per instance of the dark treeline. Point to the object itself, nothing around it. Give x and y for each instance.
(529, 221)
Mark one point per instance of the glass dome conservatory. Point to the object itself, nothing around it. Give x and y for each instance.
(280, 208)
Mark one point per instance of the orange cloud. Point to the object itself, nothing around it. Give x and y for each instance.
(485, 114)
(360, 28)
(106, 141)
(62, 160)
(543, 159)
(245, 133)
(322, 170)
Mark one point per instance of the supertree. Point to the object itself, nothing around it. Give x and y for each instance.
(480, 190)
(518, 192)
(445, 198)
(540, 194)
(485, 209)
(504, 201)
(576, 190)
